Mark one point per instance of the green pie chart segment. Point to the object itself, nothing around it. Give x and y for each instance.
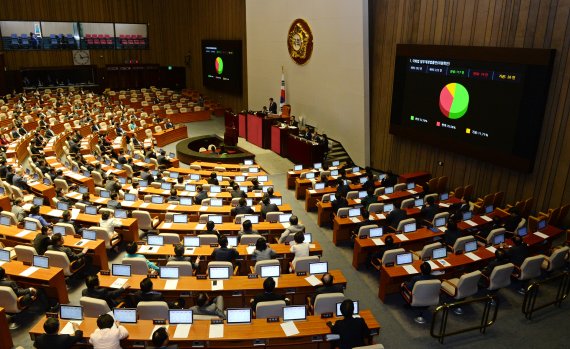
(219, 65)
(454, 100)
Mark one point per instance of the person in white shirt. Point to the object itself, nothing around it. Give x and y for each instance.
(109, 223)
(299, 247)
(109, 334)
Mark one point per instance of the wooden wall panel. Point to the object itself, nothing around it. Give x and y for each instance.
(503, 23)
(176, 28)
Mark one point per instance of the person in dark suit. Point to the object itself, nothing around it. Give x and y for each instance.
(160, 340)
(146, 175)
(49, 133)
(236, 192)
(145, 294)
(168, 124)
(390, 180)
(51, 339)
(268, 294)
(425, 274)
(223, 253)
(370, 198)
(93, 290)
(352, 331)
(369, 182)
(118, 129)
(94, 128)
(29, 294)
(452, 233)
(213, 179)
(395, 216)
(365, 220)
(122, 159)
(339, 202)
(162, 159)
(272, 106)
(341, 189)
(379, 254)
(293, 122)
(430, 209)
(500, 259)
(519, 252)
(512, 221)
(200, 195)
(242, 208)
(14, 133)
(267, 206)
(328, 286)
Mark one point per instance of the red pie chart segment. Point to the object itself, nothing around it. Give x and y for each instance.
(454, 100)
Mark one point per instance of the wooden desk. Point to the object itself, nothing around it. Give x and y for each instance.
(479, 221)
(229, 167)
(45, 191)
(311, 333)
(51, 280)
(206, 173)
(392, 277)
(227, 228)
(170, 135)
(415, 177)
(5, 337)
(302, 151)
(5, 203)
(363, 247)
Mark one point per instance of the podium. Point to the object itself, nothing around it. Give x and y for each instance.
(279, 138)
(302, 151)
(242, 125)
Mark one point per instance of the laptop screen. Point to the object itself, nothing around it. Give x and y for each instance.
(310, 175)
(254, 219)
(219, 273)
(262, 178)
(30, 225)
(388, 207)
(180, 218)
(317, 165)
(334, 173)
(335, 163)
(354, 212)
(418, 202)
(375, 232)
(276, 201)
(319, 186)
(171, 155)
(298, 167)
(270, 271)
(541, 224)
(41, 262)
(180, 316)
(215, 189)
(157, 199)
(47, 181)
(63, 206)
(4, 255)
(248, 162)
(38, 201)
(130, 197)
(265, 188)
(404, 258)
(122, 180)
(388, 190)
(355, 169)
(363, 180)
(125, 315)
(439, 253)
(440, 222)
(154, 172)
(308, 237)
(410, 185)
(92, 210)
(70, 312)
(489, 209)
(82, 189)
(58, 229)
(186, 201)
(143, 184)
(284, 218)
(332, 197)
(168, 272)
(244, 188)
(467, 215)
(5, 220)
(470, 246)
(89, 234)
(155, 240)
(120, 213)
(105, 194)
(232, 241)
(174, 175)
(295, 312)
(216, 202)
(522, 231)
(166, 186)
(191, 241)
(239, 178)
(190, 187)
(499, 239)
(362, 194)
(121, 270)
(195, 177)
(217, 219)
(318, 268)
(354, 312)
(253, 170)
(444, 196)
(410, 227)
(239, 315)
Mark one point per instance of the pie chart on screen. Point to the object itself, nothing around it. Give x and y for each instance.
(454, 100)
(219, 65)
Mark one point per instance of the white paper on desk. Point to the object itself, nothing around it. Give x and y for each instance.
(384, 197)
(127, 203)
(100, 200)
(443, 204)
(55, 213)
(472, 256)
(250, 249)
(119, 282)
(145, 204)
(491, 249)
(219, 285)
(357, 201)
(203, 208)
(402, 237)
(27, 207)
(433, 265)
(253, 208)
(182, 331)
(291, 172)
(257, 195)
(166, 225)
(286, 225)
(29, 271)
(68, 328)
(312, 246)
(145, 248)
(443, 229)
(216, 331)
(378, 241)
(539, 234)
(313, 280)
(354, 220)
(171, 207)
(380, 216)
(156, 327)
(74, 213)
(410, 269)
(488, 219)
(312, 191)
(212, 195)
(81, 242)
(166, 192)
(23, 233)
(470, 222)
(412, 191)
(2, 263)
(444, 262)
(289, 328)
(171, 284)
(188, 251)
(200, 226)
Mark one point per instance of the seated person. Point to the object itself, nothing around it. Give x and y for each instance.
(267, 206)
(396, 216)
(339, 202)
(213, 179)
(60, 196)
(365, 220)
(108, 334)
(513, 220)
(179, 257)
(430, 209)
(200, 195)
(42, 241)
(299, 247)
(85, 199)
(211, 229)
(369, 181)
(35, 213)
(29, 294)
(109, 223)
(113, 203)
(519, 252)
(109, 295)
(255, 184)
(242, 208)
(145, 294)
(388, 245)
(352, 331)
(262, 251)
(160, 340)
(173, 195)
(131, 250)
(223, 253)
(66, 218)
(328, 286)
(370, 198)
(52, 339)
(57, 245)
(293, 229)
(204, 306)
(425, 274)
(18, 210)
(268, 294)
(452, 233)
(236, 192)
(246, 228)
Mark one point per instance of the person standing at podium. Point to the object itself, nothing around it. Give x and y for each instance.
(272, 106)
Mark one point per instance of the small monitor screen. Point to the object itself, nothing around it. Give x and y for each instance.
(354, 212)
(157, 199)
(295, 312)
(410, 186)
(58, 229)
(174, 175)
(265, 188)
(186, 201)
(388, 190)
(217, 219)
(439, 253)
(215, 189)
(121, 214)
(239, 178)
(522, 231)
(38, 201)
(276, 201)
(219, 273)
(489, 209)
(130, 197)
(308, 237)
(499, 239)
(41, 262)
(92, 210)
(284, 218)
(335, 163)
(354, 312)
(180, 316)
(298, 167)
(362, 194)
(270, 271)
(444, 196)
(470, 246)
(172, 156)
(89, 234)
(216, 202)
(249, 202)
(121, 270)
(47, 181)
(363, 180)
(541, 224)
(169, 272)
(239, 315)
(253, 170)
(334, 173)
(83, 189)
(155, 240)
(195, 177)
(310, 175)
(467, 215)
(332, 197)
(143, 184)
(105, 194)
(4, 255)
(180, 218)
(376, 232)
(70, 312)
(191, 241)
(318, 268)
(404, 258)
(232, 241)
(190, 187)
(248, 162)
(318, 165)
(418, 202)
(5, 220)
(166, 186)
(125, 315)
(254, 219)
(262, 178)
(244, 188)
(30, 225)
(122, 180)
(319, 186)
(410, 227)
(154, 172)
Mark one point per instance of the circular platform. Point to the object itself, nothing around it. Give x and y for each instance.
(188, 151)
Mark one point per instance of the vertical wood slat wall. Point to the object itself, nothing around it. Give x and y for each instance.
(176, 28)
(502, 23)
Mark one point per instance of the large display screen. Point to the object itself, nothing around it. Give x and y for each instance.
(483, 102)
(222, 65)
